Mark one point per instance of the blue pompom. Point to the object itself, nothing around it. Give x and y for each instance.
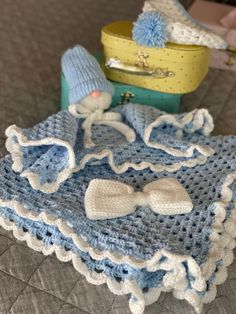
(150, 30)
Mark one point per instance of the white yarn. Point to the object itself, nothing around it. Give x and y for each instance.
(181, 27)
(96, 115)
(106, 199)
(152, 265)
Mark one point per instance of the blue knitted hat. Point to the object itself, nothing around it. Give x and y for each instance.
(83, 74)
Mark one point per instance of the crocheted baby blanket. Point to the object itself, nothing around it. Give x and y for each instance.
(51, 151)
(142, 253)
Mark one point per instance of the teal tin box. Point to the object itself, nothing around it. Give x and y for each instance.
(127, 93)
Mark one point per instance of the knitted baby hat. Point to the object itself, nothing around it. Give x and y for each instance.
(83, 74)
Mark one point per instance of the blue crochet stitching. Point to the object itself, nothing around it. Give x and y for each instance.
(48, 161)
(143, 233)
(50, 235)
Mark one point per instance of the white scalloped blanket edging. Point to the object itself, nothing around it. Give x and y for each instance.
(17, 155)
(128, 286)
(223, 243)
(200, 118)
(205, 152)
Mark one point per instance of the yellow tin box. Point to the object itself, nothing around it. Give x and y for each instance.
(175, 69)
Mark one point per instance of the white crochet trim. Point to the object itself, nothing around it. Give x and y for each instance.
(200, 118)
(127, 287)
(181, 27)
(17, 155)
(200, 160)
(199, 115)
(222, 248)
(198, 121)
(118, 288)
(226, 244)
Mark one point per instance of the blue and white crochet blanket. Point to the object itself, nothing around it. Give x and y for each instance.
(53, 150)
(143, 253)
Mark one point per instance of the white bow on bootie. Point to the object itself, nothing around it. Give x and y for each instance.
(105, 199)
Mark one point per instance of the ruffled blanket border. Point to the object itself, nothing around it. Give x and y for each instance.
(222, 239)
(17, 156)
(201, 120)
(200, 116)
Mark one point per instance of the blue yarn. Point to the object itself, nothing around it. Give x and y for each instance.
(83, 74)
(150, 30)
(47, 162)
(142, 233)
(51, 235)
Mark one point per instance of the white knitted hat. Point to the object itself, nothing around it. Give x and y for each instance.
(181, 28)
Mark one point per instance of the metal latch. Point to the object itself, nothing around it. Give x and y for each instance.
(117, 64)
